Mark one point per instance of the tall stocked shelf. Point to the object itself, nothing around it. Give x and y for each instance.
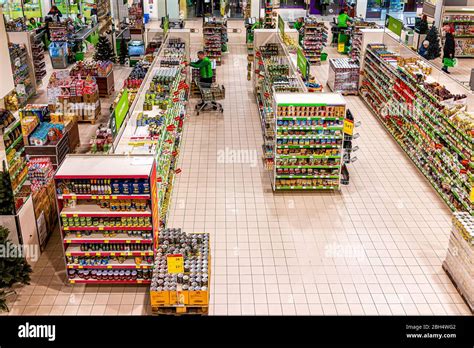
(308, 141)
(39, 63)
(460, 256)
(135, 14)
(314, 39)
(103, 15)
(429, 122)
(343, 76)
(156, 123)
(109, 218)
(362, 34)
(269, 20)
(215, 37)
(22, 72)
(273, 73)
(12, 152)
(462, 21)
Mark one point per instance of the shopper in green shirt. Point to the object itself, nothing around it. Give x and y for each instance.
(343, 20)
(299, 23)
(33, 24)
(298, 26)
(204, 65)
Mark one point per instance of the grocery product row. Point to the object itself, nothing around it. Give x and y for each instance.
(427, 120)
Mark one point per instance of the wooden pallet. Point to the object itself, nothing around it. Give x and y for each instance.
(446, 269)
(89, 121)
(186, 310)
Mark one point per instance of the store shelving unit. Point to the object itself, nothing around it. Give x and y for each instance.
(273, 73)
(362, 34)
(215, 35)
(118, 243)
(462, 21)
(422, 117)
(12, 151)
(269, 21)
(308, 141)
(37, 48)
(155, 128)
(22, 72)
(314, 39)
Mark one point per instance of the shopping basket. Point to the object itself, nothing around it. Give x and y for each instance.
(210, 93)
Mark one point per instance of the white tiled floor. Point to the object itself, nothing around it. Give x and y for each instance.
(376, 247)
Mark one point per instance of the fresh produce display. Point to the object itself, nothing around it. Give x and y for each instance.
(425, 119)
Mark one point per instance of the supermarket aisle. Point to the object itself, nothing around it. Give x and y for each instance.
(374, 248)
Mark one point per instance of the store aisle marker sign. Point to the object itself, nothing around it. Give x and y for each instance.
(121, 109)
(394, 25)
(175, 263)
(302, 62)
(281, 26)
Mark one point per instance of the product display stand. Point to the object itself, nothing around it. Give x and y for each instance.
(425, 118)
(108, 218)
(460, 257)
(314, 39)
(462, 21)
(343, 76)
(309, 139)
(184, 290)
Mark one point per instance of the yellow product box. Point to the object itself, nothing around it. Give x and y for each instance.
(159, 298)
(199, 298)
(183, 297)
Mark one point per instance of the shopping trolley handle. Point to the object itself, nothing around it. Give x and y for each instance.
(205, 85)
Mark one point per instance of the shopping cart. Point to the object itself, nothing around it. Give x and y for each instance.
(210, 93)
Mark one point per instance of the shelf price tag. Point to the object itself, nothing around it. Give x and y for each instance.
(348, 127)
(471, 196)
(175, 263)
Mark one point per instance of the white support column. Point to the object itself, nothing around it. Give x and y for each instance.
(45, 7)
(7, 84)
(361, 8)
(254, 8)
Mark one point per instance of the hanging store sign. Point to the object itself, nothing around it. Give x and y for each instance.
(394, 25)
(302, 62)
